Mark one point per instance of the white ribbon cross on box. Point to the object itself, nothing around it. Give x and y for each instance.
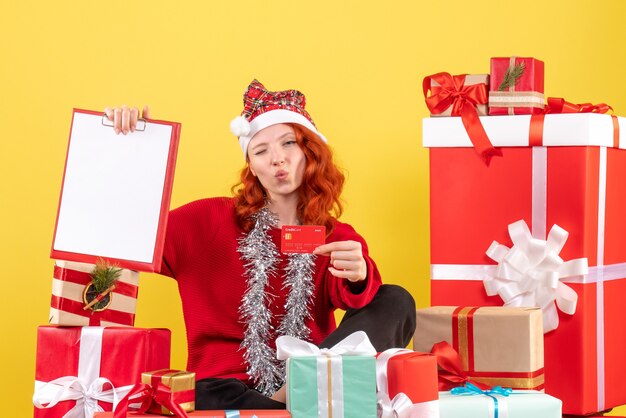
(86, 388)
(329, 366)
(401, 406)
(598, 274)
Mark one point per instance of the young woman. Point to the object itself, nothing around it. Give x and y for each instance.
(239, 293)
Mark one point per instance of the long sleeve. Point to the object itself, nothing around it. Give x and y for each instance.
(343, 293)
(188, 225)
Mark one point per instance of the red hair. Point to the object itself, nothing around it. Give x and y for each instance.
(318, 195)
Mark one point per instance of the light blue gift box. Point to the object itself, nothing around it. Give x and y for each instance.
(518, 404)
(352, 389)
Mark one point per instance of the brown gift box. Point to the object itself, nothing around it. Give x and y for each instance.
(470, 79)
(177, 381)
(497, 345)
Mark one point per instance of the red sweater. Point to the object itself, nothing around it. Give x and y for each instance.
(201, 254)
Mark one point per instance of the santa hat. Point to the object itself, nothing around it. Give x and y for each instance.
(263, 108)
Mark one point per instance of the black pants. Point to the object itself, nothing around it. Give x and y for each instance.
(388, 320)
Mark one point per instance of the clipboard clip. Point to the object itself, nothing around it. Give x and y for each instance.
(141, 123)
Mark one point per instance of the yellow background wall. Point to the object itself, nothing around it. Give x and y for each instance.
(360, 63)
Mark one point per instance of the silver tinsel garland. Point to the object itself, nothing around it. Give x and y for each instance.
(299, 281)
(260, 257)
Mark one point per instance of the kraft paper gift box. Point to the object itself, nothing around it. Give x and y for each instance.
(450, 95)
(469, 80)
(497, 346)
(83, 364)
(182, 385)
(407, 384)
(518, 404)
(570, 171)
(249, 413)
(525, 96)
(68, 297)
(340, 381)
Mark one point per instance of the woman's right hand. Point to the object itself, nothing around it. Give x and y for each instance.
(125, 118)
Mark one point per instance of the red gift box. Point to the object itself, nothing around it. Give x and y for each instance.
(67, 302)
(525, 96)
(580, 188)
(87, 364)
(407, 381)
(250, 413)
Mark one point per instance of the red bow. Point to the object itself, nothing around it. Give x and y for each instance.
(451, 373)
(560, 105)
(162, 395)
(257, 100)
(452, 91)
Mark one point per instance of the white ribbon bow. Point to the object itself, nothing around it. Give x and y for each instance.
(73, 388)
(355, 344)
(401, 405)
(530, 273)
(86, 388)
(330, 402)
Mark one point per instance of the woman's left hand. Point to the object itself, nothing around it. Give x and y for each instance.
(346, 259)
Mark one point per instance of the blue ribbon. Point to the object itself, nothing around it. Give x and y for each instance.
(232, 413)
(470, 389)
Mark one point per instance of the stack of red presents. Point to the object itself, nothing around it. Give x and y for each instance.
(92, 359)
(525, 197)
(527, 273)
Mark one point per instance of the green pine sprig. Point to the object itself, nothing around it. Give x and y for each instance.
(511, 76)
(104, 275)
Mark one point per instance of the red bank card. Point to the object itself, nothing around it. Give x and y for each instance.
(301, 238)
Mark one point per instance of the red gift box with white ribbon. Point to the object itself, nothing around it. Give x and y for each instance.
(406, 383)
(67, 305)
(83, 370)
(556, 169)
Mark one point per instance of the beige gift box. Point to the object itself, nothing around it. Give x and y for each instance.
(497, 345)
(67, 302)
(470, 80)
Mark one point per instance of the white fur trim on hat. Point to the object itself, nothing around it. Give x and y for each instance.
(273, 117)
(239, 126)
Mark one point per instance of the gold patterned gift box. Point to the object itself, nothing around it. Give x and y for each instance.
(181, 383)
(497, 345)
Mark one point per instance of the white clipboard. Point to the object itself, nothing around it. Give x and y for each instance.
(116, 191)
